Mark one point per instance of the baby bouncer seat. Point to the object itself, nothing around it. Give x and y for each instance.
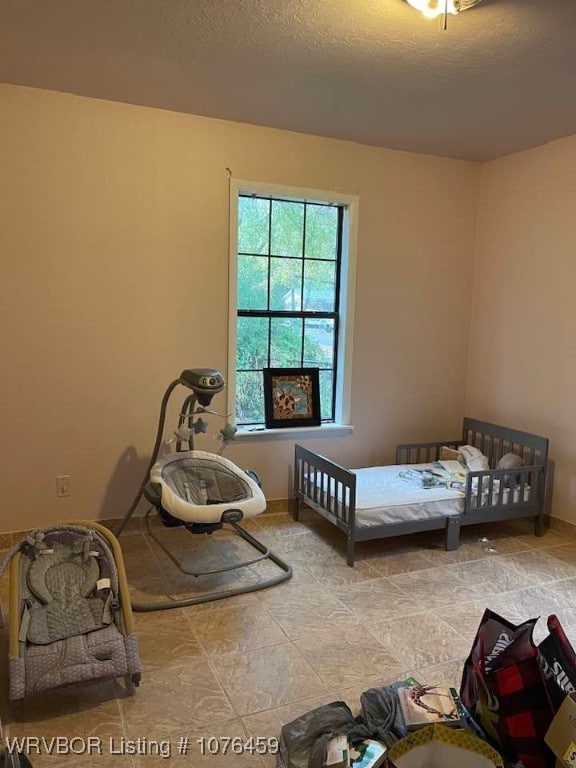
(70, 619)
(202, 492)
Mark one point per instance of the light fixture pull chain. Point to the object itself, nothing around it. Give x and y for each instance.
(445, 19)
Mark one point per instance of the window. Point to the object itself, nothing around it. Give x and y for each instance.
(290, 294)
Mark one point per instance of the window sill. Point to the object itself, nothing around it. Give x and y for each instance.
(261, 434)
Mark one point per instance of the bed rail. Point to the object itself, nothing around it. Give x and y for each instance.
(327, 487)
(494, 441)
(491, 491)
(422, 453)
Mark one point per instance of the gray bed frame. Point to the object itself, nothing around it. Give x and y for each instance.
(330, 489)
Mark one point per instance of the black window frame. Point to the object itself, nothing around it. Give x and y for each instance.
(302, 314)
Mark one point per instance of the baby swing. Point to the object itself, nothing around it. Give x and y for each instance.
(201, 491)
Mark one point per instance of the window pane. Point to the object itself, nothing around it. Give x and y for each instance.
(287, 229)
(288, 264)
(252, 282)
(253, 216)
(321, 232)
(319, 286)
(249, 398)
(326, 378)
(286, 342)
(319, 343)
(285, 284)
(252, 342)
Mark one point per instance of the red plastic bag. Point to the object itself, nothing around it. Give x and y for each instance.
(503, 687)
(558, 662)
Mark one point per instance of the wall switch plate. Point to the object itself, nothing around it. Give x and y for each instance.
(63, 485)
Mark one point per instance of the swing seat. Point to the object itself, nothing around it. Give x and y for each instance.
(202, 491)
(198, 487)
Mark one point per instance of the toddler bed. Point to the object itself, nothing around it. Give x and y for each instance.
(378, 502)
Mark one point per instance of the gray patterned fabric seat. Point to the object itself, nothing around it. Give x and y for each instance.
(62, 577)
(70, 617)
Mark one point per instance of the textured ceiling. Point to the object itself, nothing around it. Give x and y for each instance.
(502, 77)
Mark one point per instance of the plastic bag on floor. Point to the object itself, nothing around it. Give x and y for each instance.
(558, 661)
(304, 741)
(503, 686)
(306, 738)
(382, 713)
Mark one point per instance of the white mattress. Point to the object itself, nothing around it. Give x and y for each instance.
(382, 496)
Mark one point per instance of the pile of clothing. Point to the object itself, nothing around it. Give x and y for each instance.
(510, 692)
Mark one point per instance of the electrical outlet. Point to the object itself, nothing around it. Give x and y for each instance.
(63, 485)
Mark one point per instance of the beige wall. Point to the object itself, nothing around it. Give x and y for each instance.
(522, 366)
(114, 278)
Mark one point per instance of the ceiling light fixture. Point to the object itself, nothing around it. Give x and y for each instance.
(434, 8)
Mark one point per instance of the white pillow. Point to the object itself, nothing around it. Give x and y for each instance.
(510, 461)
(474, 458)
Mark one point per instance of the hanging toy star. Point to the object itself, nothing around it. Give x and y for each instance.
(228, 432)
(200, 426)
(182, 433)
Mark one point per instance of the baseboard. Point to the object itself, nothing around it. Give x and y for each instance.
(9, 538)
(562, 526)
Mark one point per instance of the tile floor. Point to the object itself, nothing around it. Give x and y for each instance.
(246, 665)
